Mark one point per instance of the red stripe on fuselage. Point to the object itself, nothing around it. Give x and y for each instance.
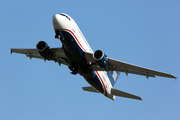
(102, 83)
(85, 50)
(74, 37)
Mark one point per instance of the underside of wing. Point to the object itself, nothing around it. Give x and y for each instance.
(128, 68)
(115, 65)
(58, 54)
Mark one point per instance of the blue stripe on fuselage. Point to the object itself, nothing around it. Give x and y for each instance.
(75, 54)
(95, 82)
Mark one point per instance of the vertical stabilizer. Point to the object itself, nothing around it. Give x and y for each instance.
(113, 76)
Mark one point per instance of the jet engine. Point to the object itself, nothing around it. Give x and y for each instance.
(44, 50)
(100, 58)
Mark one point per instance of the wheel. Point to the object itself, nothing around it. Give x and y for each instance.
(59, 36)
(56, 36)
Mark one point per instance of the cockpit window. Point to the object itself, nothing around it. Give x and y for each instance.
(62, 14)
(65, 16)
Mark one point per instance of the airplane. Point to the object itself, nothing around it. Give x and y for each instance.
(100, 71)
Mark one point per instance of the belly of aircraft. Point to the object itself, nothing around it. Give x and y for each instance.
(75, 54)
(71, 48)
(95, 82)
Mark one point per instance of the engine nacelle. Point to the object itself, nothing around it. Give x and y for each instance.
(100, 58)
(44, 50)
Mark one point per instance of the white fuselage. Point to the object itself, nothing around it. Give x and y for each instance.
(63, 22)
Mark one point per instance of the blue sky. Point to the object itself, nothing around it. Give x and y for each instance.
(141, 32)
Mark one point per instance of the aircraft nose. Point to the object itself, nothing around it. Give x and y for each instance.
(56, 20)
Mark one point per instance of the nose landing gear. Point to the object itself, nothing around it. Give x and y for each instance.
(57, 36)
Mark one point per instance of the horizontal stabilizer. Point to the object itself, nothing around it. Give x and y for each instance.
(124, 94)
(89, 89)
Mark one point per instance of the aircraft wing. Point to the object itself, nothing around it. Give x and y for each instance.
(58, 54)
(115, 65)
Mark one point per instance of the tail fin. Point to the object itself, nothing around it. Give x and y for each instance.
(113, 76)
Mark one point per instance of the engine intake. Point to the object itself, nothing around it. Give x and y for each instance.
(100, 58)
(44, 50)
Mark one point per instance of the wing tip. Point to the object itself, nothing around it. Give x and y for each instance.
(140, 99)
(172, 76)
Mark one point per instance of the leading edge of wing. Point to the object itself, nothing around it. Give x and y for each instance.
(24, 51)
(57, 52)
